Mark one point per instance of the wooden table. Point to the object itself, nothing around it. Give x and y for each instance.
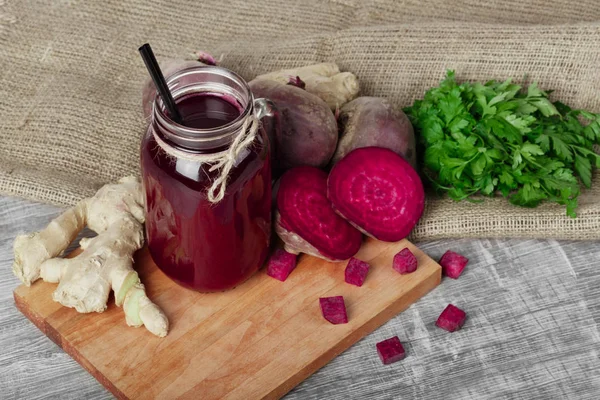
(532, 333)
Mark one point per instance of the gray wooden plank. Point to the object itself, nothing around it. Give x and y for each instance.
(532, 331)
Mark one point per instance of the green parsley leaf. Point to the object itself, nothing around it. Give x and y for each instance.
(584, 170)
(494, 137)
(534, 91)
(531, 149)
(545, 106)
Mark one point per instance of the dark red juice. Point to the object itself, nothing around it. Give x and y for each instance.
(206, 111)
(203, 246)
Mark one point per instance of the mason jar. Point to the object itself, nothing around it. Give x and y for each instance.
(200, 242)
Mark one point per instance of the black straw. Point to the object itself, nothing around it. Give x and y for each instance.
(160, 82)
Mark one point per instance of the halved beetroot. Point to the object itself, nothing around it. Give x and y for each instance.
(307, 223)
(378, 192)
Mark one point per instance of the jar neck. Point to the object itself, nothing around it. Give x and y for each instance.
(209, 80)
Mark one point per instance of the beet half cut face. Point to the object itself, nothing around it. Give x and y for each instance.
(306, 211)
(378, 192)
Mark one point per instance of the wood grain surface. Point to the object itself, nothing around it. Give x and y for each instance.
(532, 331)
(257, 341)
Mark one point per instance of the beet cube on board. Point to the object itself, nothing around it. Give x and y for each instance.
(451, 319)
(390, 350)
(334, 309)
(356, 272)
(281, 264)
(405, 262)
(453, 264)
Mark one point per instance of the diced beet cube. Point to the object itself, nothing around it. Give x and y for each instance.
(390, 350)
(405, 262)
(453, 264)
(451, 319)
(334, 309)
(281, 264)
(356, 271)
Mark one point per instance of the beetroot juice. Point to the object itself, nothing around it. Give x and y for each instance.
(201, 245)
(207, 111)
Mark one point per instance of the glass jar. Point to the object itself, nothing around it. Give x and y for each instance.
(199, 244)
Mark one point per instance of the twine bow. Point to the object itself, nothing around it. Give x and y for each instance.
(222, 161)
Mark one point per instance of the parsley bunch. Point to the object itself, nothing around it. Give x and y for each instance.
(486, 139)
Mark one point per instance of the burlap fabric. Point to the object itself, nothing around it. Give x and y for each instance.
(70, 79)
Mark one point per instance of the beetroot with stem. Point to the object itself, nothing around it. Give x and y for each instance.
(334, 309)
(308, 134)
(451, 319)
(405, 261)
(205, 58)
(378, 192)
(305, 220)
(453, 264)
(356, 272)
(390, 350)
(281, 264)
(374, 121)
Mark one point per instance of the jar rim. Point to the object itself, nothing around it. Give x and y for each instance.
(194, 138)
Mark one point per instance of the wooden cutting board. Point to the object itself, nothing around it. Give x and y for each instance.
(257, 341)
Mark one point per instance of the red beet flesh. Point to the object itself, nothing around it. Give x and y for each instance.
(453, 264)
(378, 191)
(356, 272)
(405, 262)
(305, 210)
(390, 350)
(334, 309)
(281, 264)
(451, 319)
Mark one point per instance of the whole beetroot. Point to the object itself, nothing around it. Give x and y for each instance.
(308, 134)
(374, 121)
(324, 80)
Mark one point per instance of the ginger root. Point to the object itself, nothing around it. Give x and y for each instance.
(323, 80)
(116, 214)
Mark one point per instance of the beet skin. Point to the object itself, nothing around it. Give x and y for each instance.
(308, 134)
(374, 121)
